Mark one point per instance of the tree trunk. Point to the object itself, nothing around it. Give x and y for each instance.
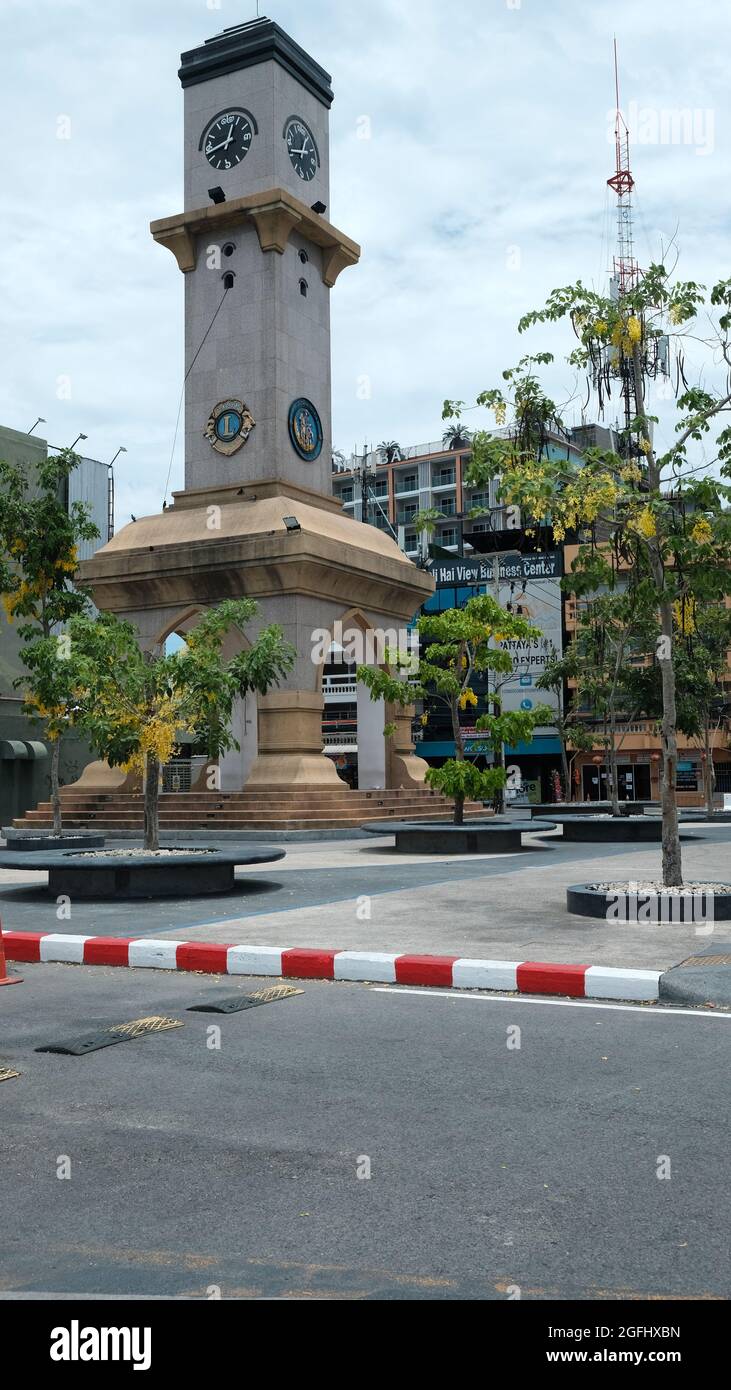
(672, 863)
(565, 773)
(152, 812)
(55, 789)
(613, 770)
(458, 750)
(709, 772)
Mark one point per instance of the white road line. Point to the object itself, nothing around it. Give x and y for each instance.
(659, 1010)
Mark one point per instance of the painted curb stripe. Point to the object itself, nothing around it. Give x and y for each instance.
(424, 970)
(209, 957)
(23, 945)
(536, 977)
(304, 963)
(107, 950)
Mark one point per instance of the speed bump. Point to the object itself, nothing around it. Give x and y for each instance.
(107, 1037)
(234, 1003)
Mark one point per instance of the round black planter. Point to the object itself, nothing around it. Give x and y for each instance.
(586, 901)
(491, 836)
(608, 830)
(196, 873)
(587, 808)
(22, 841)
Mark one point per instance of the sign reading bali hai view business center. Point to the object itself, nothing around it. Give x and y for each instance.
(530, 587)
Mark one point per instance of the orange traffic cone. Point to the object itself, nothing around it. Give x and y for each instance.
(6, 979)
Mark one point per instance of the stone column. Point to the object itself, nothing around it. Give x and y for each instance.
(372, 754)
(290, 743)
(405, 769)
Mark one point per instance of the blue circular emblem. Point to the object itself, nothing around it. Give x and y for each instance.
(228, 425)
(305, 429)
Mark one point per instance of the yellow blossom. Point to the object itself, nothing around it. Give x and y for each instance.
(645, 446)
(644, 523)
(702, 532)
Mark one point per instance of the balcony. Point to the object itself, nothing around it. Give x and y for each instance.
(442, 480)
(409, 484)
(340, 687)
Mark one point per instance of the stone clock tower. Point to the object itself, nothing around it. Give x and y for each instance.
(257, 130)
(259, 259)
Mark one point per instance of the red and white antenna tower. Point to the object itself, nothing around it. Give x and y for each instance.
(626, 269)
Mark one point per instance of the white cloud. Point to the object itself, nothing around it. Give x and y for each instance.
(489, 132)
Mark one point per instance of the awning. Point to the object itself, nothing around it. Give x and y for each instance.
(29, 749)
(11, 748)
(36, 749)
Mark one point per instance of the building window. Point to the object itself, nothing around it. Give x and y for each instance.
(448, 537)
(303, 288)
(303, 256)
(346, 494)
(409, 483)
(229, 248)
(228, 280)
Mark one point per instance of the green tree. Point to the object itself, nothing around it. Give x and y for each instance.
(133, 705)
(460, 644)
(39, 539)
(672, 525)
(573, 735)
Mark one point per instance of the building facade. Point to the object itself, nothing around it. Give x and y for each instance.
(24, 755)
(388, 487)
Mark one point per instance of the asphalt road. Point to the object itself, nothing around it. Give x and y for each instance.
(195, 1169)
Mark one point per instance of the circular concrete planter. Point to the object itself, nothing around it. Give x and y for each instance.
(586, 901)
(19, 841)
(587, 808)
(491, 836)
(609, 830)
(196, 873)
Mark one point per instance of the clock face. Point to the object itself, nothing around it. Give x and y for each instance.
(228, 140)
(302, 149)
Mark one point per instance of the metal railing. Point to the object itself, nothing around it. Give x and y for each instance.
(180, 774)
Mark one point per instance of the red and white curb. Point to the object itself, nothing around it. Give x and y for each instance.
(303, 963)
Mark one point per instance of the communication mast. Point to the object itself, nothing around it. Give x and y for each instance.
(626, 270)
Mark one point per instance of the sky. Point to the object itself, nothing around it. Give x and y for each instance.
(481, 186)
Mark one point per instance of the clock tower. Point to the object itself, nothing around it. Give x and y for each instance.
(259, 258)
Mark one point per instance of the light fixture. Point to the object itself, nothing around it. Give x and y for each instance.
(216, 195)
(78, 437)
(39, 421)
(120, 450)
(319, 208)
(291, 523)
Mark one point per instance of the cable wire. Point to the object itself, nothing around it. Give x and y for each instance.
(182, 390)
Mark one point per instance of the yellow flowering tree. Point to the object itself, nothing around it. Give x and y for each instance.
(459, 645)
(663, 517)
(39, 539)
(133, 706)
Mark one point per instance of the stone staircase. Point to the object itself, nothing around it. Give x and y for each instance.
(286, 808)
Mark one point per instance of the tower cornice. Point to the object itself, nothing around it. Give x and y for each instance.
(259, 41)
(275, 213)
